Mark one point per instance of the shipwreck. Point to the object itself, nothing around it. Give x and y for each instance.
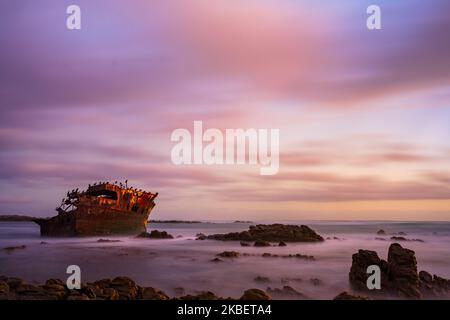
(103, 209)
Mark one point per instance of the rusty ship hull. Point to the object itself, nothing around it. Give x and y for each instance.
(104, 209)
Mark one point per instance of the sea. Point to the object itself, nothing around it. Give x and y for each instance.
(183, 265)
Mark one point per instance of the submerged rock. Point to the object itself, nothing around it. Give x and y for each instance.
(272, 232)
(200, 236)
(107, 241)
(262, 279)
(228, 254)
(286, 291)
(155, 234)
(394, 238)
(11, 249)
(346, 296)
(379, 232)
(261, 243)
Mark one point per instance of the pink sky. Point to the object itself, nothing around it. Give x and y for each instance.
(363, 115)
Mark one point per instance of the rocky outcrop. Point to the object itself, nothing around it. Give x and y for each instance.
(297, 255)
(272, 233)
(347, 296)
(433, 286)
(360, 262)
(395, 238)
(14, 248)
(120, 288)
(255, 294)
(229, 254)
(155, 234)
(399, 274)
(381, 232)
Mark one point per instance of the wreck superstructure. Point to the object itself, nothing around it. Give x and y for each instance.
(103, 209)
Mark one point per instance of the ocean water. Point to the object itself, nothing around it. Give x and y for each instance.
(185, 263)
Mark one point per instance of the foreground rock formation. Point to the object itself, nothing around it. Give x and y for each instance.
(261, 234)
(399, 275)
(119, 288)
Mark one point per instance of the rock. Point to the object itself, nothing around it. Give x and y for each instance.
(346, 296)
(360, 262)
(255, 294)
(125, 287)
(402, 266)
(55, 289)
(30, 292)
(399, 238)
(11, 249)
(155, 234)
(315, 281)
(379, 232)
(216, 260)
(282, 244)
(55, 282)
(399, 274)
(107, 294)
(4, 290)
(89, 291)
(205, 295)
(304, 256)
(245, 244)
(13, 283)
(272, 232)
(405, 239)
(107, 240)
(75, 296)
(261, 243)
(228, 254)
(43, 242)
(286, 291)
(433, 286)
(200, 236)
(262, 279)
(150, 293)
